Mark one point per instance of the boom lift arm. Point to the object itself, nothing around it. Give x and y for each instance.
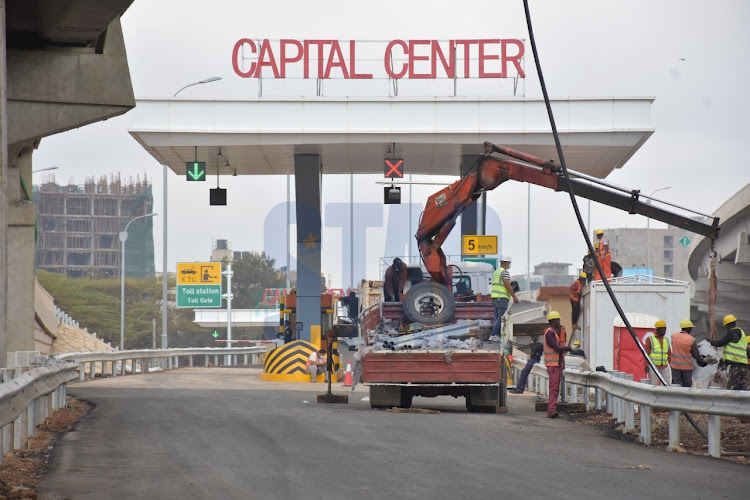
(444, 207)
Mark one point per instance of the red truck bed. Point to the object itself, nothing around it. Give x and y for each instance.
(440, 366)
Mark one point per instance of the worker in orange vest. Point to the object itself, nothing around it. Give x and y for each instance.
(658, 349)
(603, 256)
(554, 360)
(684, 350)
(575, 299)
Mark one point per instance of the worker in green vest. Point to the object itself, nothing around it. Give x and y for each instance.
(734, 355)
(501, 293)
(658, 349)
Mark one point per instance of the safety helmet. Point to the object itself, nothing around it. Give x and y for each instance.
(583, 275)
(660, 324)
(599, 231)
(729, 318)
(686, 323)
(577, 343)
(596, 245)
(505, 258)
(553, 315)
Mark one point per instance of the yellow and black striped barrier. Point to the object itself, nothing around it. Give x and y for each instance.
(287, 363)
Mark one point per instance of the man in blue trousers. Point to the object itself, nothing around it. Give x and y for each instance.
(537, 348)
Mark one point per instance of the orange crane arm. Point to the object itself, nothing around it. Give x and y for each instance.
(444, 207)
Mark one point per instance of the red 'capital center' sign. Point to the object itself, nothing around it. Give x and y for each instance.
(415, 59)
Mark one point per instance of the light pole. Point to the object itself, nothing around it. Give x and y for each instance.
(123, 239)
(44, 169)
(165, 264)
(648, 229)
(207, 80)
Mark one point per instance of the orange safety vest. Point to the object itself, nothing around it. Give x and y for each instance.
(575, 291)
(551, 356)
(682, 357)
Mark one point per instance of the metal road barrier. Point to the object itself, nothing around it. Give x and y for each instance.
(26, 399)
(618, 395)
(128, 361)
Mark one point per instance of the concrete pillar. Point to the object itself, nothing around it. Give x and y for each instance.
(190, 361)
(81, 372)
(645, 419)
(308, 180)
(21, 217)
(629, 410)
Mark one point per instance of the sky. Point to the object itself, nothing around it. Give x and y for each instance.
(691, 56)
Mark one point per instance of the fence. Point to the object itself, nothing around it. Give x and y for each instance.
(617, 394)
(26, 399)
(162, 358)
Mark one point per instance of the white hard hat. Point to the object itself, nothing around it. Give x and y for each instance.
(505, 258)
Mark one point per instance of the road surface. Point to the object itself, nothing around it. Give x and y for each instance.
(223, 433)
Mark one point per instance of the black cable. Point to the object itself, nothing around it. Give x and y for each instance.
(580, 218)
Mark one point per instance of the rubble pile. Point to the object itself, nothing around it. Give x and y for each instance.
(462, 335)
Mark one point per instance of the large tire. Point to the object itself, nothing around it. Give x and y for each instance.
(406, 399)
(429, 303)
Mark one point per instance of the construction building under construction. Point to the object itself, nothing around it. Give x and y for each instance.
(78, 228)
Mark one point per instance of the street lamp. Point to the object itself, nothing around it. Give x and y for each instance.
(123, 238)
(165, 169)
(44, 169)
(648, 229)
(207, 80)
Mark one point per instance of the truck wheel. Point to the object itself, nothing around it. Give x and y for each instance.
(406, 399)
(429, 303)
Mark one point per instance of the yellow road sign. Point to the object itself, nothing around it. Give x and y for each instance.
(478, 244)
(199, 273)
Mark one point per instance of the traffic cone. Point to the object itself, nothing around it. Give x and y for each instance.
(348, 374)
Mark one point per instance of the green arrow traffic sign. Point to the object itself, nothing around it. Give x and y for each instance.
(684, 241)
(216, 334)
(196, 170)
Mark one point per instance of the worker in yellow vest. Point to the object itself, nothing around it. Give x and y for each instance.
(657, 348)
(501, 293)
(734, 355)
(554, 359)
(684, 351)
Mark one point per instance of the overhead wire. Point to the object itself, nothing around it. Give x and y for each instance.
(581, 225)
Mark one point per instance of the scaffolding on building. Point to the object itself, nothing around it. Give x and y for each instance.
(79, 226)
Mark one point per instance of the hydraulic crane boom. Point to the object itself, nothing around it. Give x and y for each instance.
(444, 207)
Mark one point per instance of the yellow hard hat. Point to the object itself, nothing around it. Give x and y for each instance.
(553, 315)
(596, 245)
(577, 343)
(729, 318)
(686, 323)
(583, 275)
(660, 324)
(599, 231)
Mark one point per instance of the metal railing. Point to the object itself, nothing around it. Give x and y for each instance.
(618, 395)
(159, 359)
(28, 397)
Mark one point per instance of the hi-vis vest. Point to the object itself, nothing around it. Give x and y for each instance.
(498, 287)
(551, 356)
(682, 346)
(736, 352)
(659, 350)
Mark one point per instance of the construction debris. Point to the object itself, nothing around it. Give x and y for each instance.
(462, 335)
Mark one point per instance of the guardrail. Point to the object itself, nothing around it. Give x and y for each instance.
(618, 395)
(26, 399)
(164, 358)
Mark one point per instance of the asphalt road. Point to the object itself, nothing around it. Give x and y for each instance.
(222, 433)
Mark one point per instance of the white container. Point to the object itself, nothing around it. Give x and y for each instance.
(662, 298)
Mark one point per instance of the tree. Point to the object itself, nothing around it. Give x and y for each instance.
(252, 273)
